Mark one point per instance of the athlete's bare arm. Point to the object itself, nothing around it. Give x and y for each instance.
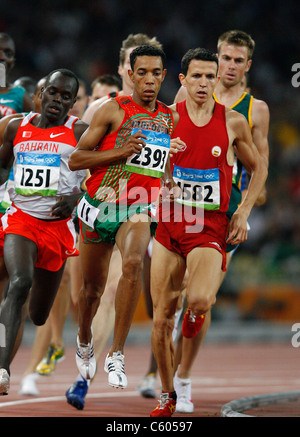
(176, 143)
(4, 122)
(181, 94)
(260, 128)
(241, 139)
(79, 128)
(106, 120)
(6, 150)
(92, 108)
(65, 205)
(260, 131)
(27, 103)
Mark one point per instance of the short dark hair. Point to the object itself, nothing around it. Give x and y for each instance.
(200, 54)
(237, 38)
(6, 37)
(147, 50)
(64, 72)
(107, 79)
(135, 40)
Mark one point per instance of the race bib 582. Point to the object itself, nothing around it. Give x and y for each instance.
(200, 188)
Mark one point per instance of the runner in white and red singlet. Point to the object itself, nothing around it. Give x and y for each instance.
(39, 233)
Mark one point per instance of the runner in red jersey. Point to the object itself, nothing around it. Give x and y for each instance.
(126, 149)
(38, 227)
(204, 176)
(209, 135)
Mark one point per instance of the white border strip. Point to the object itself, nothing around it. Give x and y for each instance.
(235, 408)
(63, 398)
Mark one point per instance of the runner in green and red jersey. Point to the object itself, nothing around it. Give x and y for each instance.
(126, 148)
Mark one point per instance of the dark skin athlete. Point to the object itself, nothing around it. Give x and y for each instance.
(20, 253)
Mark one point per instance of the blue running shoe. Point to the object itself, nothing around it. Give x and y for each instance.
(76, 393)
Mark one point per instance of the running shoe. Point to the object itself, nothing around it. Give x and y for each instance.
(53, 356)
(166, 406)
(183, 388)
(76, 393)
(115, 368)
(85, 359)
(4, 382)
(191, 324)
(147, 386)
(28, 385)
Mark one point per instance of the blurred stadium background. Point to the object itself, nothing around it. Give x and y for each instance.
(263, 284)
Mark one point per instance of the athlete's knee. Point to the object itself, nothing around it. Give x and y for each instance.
(91, 292)
(133, 266)
(38, 316)
(163, 324)
(19, 287)
(201, 305)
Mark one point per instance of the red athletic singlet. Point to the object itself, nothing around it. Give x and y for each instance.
(134, 179)
(198, 218)
(202, 169)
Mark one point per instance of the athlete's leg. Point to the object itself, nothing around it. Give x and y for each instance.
(3, 278)
(60, 309)
(75, 282)
(20, 256)
(203, 282)
(95, 260)
(132, 239)
(167, 272)
(104, 320)
(188, 348)
(149, 307)
(43, 292)
(51, 331)
(41, 342)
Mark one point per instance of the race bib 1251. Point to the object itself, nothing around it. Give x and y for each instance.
(37, 173)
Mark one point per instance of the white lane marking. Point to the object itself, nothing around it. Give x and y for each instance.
(63, 398)
(119, 393)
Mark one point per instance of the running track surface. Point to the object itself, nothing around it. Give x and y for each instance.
(222, 373)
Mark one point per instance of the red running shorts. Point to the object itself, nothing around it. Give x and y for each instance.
(55, 240)
(178, 233)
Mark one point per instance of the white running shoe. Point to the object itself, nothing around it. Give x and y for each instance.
(147, 386)
(85, 359)
(183, 388)
(28, 385)
(115, 366)
(4, 382)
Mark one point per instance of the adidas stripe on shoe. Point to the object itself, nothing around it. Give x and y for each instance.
(115, 367)
(85, 359)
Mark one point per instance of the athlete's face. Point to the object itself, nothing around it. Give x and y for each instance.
(58, 97)
(233, 64)
(124, 69)
(81, 102)
(147, 76)
(101, 90)
(200, 80)
(37, 96)
(7, 53)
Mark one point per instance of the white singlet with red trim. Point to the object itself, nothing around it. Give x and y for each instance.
(41, 171)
